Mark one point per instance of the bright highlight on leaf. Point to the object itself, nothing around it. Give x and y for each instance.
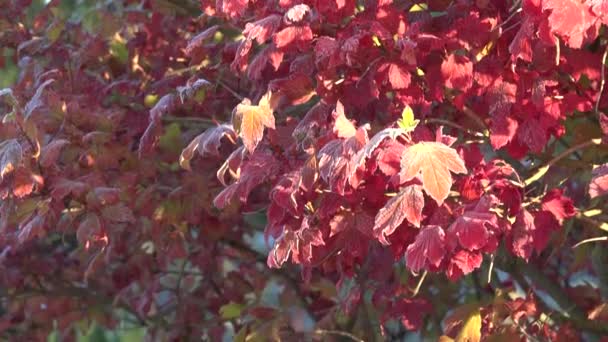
(471, 330)
(250, 120)
(433, 161)
(407, 122)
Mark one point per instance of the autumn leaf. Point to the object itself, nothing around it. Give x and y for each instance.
(599, 181)
(10, 156)
(206, 143)
(433, 161)
(249, 121)
(471, 330)
(407, 122)
(407, 204)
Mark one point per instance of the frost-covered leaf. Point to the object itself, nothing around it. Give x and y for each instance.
(11, 154)
(407, 204)
(370, 147)
(206, 143)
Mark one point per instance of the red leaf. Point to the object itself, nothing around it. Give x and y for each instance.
(88, 227)
(599, 181)
(463, 263)
(521, 46)
(33, 228)
(457, 71)
(118, 213)
(233, 8)
(50, 152)
(207, 143)
(63, 187)
(198, 40)
(255, 171)
(36, 100)
(427, 249)
(263, 29)
(297, 37)
(559, 205)
(345, 221)
(470, 229)
(407, 204)
(572, 20)
(10, 156)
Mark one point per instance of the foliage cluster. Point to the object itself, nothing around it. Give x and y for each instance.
(258, 170)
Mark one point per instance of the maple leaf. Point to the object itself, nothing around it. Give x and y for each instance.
(206, 143)
(50, 152)
(33, 228)
(118, 213)
(263, 29)
(11, 154)
(572, 20)
(370, 147)
(255, 171)
(427, 249)
(407, 122)
(345, 221)
(197, 41)
(433, 161)
(457, 72)
(250, 120)
(407, 204)
(463, 263)
(599, 181)
(343, 127)
(470, 229)
(36, 100)
(296, 13)
(559, 205)
(293, 37)
(233, 8)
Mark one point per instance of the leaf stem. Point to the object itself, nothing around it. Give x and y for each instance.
(602, 82)
(601, 238)
(543, 170)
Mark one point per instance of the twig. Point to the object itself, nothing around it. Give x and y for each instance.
(202, 121)
(471, 114)
(339, 333)
(602, 82)
(600, 225)
(601, 238)
(557, 50)
(491, 269)
(455, 125)
(230, 90)
(419, 285)
(543, 170)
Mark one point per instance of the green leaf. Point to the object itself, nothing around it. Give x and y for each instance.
(231, 310)
(407, 122)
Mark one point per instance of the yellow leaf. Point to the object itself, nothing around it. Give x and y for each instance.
(471, 330)
(433, 161)
(250, 120)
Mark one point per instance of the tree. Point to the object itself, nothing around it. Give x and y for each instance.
(329, 170)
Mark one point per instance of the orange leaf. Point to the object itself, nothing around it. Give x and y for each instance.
(249, 121)
(434, 161)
